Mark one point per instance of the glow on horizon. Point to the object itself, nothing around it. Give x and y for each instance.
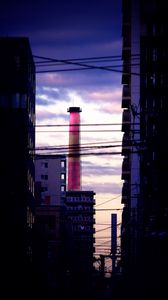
(99, 106)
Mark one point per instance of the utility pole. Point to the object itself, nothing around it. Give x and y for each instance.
(102, 265)
(113, 240)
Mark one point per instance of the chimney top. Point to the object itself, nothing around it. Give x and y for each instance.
(74, 109)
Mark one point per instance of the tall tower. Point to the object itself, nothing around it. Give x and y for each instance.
(74, 168)
(80, 216)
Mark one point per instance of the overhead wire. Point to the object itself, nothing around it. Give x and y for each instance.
(83, 124)
(45, 59)
(79, 64)
(89, 153)
(108, 200)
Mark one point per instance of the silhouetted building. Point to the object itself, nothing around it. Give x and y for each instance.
(80, 238)
(80, 217)
(50, 191)
(17, 123)
(145, 164)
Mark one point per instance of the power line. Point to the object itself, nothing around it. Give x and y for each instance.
(82, 124)
(109, 200)
(88, 146)
(59, 131)
(89, 153)
(85, 144)
(82, 59)
(103, 237)
(77, 147)
(103, 229)
(68, 62)
(82, 66)
(102, 209)
(66, 150)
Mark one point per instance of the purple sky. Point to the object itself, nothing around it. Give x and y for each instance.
(65, 28)
(68, 29)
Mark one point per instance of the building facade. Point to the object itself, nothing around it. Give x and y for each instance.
(51, 179)
(17, 122)
(80, 238)
(145, 111)
(50, 191)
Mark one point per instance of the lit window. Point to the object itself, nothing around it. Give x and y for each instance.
(62, 163)
(62, 188)
(62, 176)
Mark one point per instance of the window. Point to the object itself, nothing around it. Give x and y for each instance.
(62, 163)
(62, 188)
(45, 177)
(23, 101)
(16, 101)
(44, 164)
(44, 189)
(62, 176)
(154, 54)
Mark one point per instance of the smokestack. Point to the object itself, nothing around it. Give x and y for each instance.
(74, 168)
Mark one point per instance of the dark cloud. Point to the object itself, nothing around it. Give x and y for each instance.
(60, 13)
(62, 23)
(46, 95)
(82, 81)
(66, 29)
(91, 169)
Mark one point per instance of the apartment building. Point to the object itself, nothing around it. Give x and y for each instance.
(144, 172)
(17, 123)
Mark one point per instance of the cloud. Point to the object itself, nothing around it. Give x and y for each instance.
(49, 95)
(91, 169)
(104, 187)
(67, 29)
(90, 80)
(44, 115)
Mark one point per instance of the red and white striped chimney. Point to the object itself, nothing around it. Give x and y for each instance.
(74, 167)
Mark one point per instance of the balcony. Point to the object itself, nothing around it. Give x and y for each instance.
(126, 96)
(126, 120)
(126, 54)
(125, 192)
(125, 78)
(126, 32)
(80, 200)
(126, 143)
(84, 229)
(126, 73)
(127, 68)
(126, 168)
